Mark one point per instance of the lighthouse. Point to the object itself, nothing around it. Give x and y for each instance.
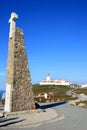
(48, 77)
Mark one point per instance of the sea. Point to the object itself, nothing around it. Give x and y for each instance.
(1, 93)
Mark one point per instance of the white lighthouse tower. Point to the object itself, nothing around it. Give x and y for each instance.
(48, 77)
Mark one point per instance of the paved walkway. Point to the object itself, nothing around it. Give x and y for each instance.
(30, 118)
(74, 119)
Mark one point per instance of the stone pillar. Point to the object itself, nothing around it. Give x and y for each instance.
(19, 95)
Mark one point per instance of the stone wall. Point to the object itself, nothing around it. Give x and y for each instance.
(18, 74)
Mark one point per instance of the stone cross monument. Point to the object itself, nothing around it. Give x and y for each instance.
(19, 95)
(12, 22)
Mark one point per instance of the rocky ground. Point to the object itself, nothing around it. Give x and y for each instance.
(81, 101)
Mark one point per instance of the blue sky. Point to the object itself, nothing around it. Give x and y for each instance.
(55, 34)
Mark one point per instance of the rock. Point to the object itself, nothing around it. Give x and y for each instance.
(74, 102)
(1, 114)
(81, 105)
(1, 103)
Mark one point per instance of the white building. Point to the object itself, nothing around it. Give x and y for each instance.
(45, 95)
(48, 81)
(84, 86)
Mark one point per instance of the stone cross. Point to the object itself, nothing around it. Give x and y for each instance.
(12, 22)
(18, 73)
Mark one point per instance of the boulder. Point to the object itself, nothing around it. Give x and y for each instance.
(81, 105)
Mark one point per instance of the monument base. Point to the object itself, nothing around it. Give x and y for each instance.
(8, 98)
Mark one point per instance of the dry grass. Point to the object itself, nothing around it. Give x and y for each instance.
(58, 93)
(81, 91)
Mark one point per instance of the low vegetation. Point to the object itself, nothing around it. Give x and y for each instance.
(83, 102)
(81, 91)
(60, 89)
(55, 92)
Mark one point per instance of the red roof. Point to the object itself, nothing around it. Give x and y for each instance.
(48, 74)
